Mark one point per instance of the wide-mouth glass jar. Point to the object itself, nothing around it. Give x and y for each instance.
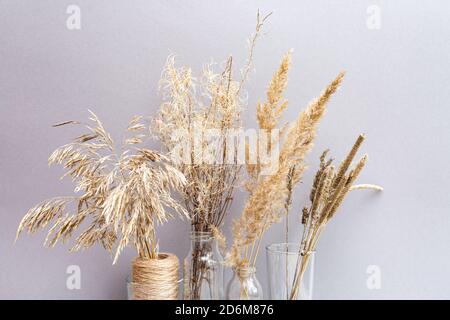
(290, 272)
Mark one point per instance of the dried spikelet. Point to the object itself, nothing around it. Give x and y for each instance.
(348, 160)
(122, 195)
(300, 137)
(268, 115)
(269, 112)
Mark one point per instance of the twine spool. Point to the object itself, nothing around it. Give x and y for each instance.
(155, 279)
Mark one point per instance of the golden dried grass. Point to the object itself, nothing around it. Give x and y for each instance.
(122, 193)
(270, 193)
(195, 107)
(329, 189)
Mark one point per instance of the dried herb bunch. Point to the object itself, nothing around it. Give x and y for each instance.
(123, 193)
(328, 191)
(269, 194)
(208, 193)
(193, 111)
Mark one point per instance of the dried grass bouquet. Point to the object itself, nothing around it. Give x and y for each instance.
(269, 193)
(329, 189)
(120, 194)
(197, 125)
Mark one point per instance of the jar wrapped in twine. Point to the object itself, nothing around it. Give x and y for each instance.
(155, 279)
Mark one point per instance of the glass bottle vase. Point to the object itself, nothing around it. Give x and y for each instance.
(244, 285)
(290, 272)
(203, 269)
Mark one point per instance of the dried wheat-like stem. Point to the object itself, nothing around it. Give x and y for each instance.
(329, 189)
(122, 194)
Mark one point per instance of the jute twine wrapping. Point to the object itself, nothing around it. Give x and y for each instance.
(155, 279)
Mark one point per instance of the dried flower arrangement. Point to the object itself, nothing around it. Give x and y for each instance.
(328, 191)
(124, 193)
(191, 110)
(268, 194)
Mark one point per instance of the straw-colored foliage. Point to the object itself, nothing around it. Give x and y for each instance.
(269, 193)
(198, 124)
(194, 109)
(119, 194)
(328, 191)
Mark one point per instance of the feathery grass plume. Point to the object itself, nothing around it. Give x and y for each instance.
(120, 194)
(268, 115)
(329, 189)
(265, 204)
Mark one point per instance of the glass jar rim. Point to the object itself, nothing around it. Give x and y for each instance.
(205, 235)
(271, 248)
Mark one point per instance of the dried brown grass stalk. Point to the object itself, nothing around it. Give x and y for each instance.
(270, 193)
(121, 194)
(329, 189)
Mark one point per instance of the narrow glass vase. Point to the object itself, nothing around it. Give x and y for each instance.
(244, 285)
(290, 272)
(203, 269)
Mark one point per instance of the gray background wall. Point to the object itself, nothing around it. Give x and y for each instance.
(396, 91)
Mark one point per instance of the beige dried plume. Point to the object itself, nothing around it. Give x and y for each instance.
(121, 194)
(268, 115)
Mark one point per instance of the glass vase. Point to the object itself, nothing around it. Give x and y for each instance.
(203, 269)
(244, 285)
(290, 272)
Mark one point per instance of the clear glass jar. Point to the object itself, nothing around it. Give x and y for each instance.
(244, 285)
(288, 280)
(203, 269)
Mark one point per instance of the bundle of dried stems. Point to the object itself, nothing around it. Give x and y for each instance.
(269, 193)
(192, 109)
(329, 189)
(123, 193)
